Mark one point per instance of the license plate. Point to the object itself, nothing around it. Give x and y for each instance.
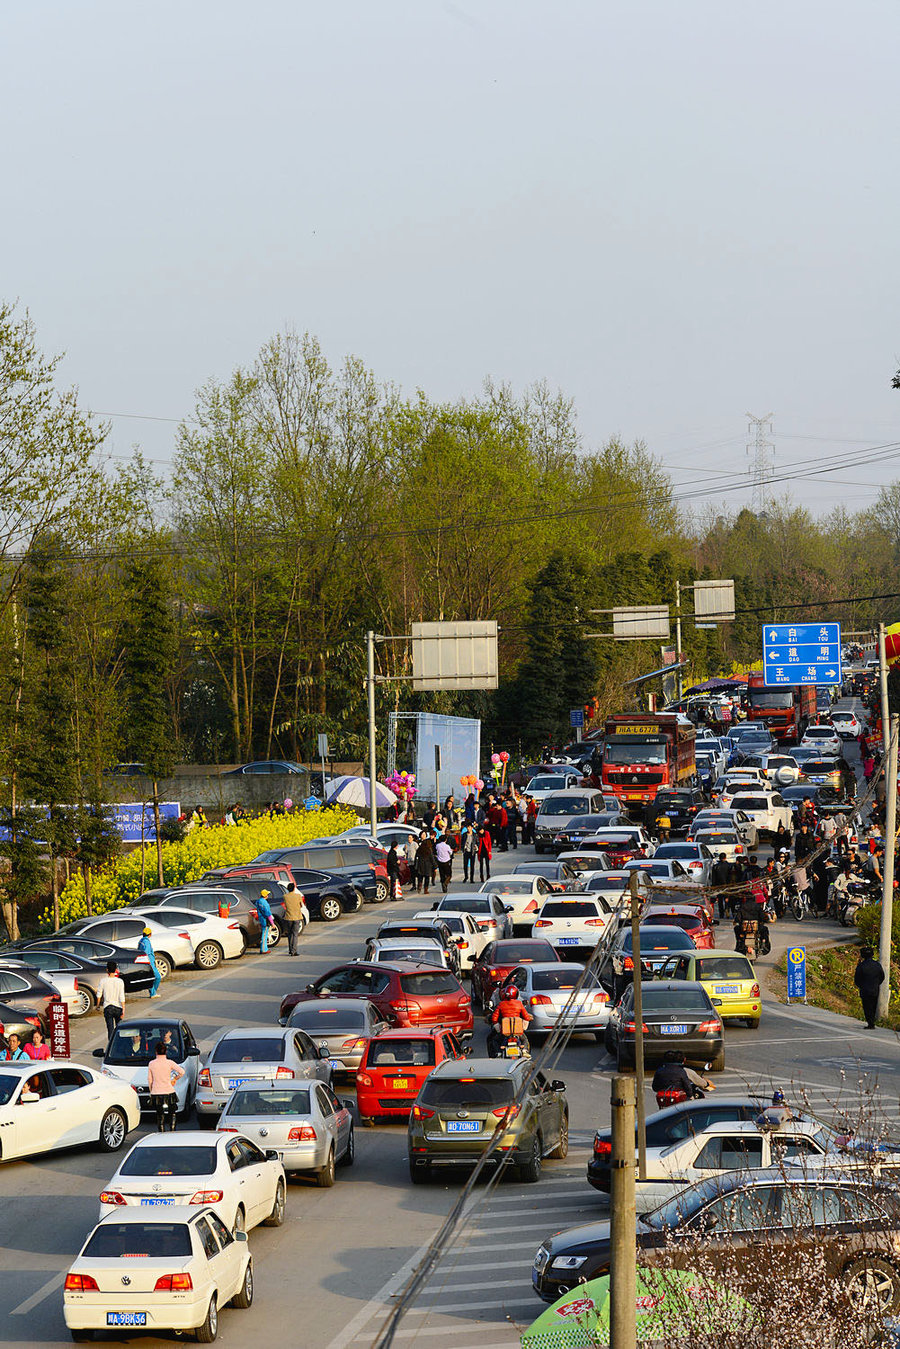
(126, 1318)
(400, 1084)
(568, 941)
(336, 1065)
(672, 1030)
(727, 988)
(157, 1203)
(463, 1126)
(237, 1082)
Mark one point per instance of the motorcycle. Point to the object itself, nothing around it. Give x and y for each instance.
(859, 894)
(513, 1047)
(677, 1095)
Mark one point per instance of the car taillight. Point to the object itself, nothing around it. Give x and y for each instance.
(629, 1026)
(628, 963)
(357, 1043)
(543, 922)
(141, 960)
(462, 946)
(739, 848)
(173, 1283)
(363, 1080)
(284, 1072)
(422, 1112)
(540, 1000)
(226, 1129)
(495, 974)
(601, 997)
(595, 922)
(81, 1283)
(112, 1197)
(235, 927)
(32, 1021)
(708, 1026)
(506, 1111)
(304, 1134)
(695, 866)
(206, 1197)
(186, 935)
(531, 906)
(204, 1079)
(602, 1148)
(75, 984)
(465, 1001)
(754, 992)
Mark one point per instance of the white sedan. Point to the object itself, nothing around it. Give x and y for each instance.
(309, 1128)
(720, 841)
(214, 939)
(543, 784)
(823, 739)
(525, 894)
(471, 940)
(256, 1054)
(660, 870)
(735, 787)
(137, 1272)
(226, 1172)
(572, 921)
(695, 857)
(55, 1103)
(742, 825)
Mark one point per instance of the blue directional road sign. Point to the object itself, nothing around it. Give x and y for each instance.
(576, 717)
(796, 973)
(802, 653)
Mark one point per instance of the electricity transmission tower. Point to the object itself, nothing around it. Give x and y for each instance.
(761, 465)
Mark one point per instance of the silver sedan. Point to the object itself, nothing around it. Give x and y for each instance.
(341, 1027)
(248, 1054)
(309, 1128)
(547, 991)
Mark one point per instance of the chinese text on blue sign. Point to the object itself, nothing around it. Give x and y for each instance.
(802, 653)
(796, 973)
(576, 716)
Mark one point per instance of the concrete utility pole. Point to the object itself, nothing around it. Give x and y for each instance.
(370, 690)
(680, 681)
(623, 1220)
(638, 984)
(890, 729)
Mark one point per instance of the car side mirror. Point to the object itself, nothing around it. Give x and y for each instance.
(98, 1053)
(242, 1236)
(193, 1052)
(508, 908)
(271, 1155)
(323, 1052)
(27, 1097)
(557, 1085)
(311, 988)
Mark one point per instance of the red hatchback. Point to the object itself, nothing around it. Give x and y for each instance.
(405, 994)
(394, 1066)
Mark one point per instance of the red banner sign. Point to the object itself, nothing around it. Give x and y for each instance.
(59, 1030)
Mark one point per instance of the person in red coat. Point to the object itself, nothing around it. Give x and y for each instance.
(484, 854)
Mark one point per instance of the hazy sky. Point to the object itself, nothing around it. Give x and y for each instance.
(676, 212)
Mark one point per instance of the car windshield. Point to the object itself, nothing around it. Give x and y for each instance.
(675, 1211)
(194, 1160)
(565, 979)
(547, 783)
(569, 908)
(724, 967)
(416, 1052)
(135, 1241)
(470, 1092)
(565, 805)
(137, 1045)
(269, 1101)
(249, 1049)
(8, 1084)
(327, 1020)
(427, 985)
(656, 999)
(522, 952)
(624, 751)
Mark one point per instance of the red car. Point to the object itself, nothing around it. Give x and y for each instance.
(394, 1066)
(690, 918)
(498, 960)
(405, 994)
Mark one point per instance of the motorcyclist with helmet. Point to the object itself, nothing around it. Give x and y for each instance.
(512, 1009)
(672, 1081)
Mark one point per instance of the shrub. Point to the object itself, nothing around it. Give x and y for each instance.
(200, 851)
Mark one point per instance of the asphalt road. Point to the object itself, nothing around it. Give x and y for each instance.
(326, 1277)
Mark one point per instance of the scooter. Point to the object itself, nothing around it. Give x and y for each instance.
(676, 1095)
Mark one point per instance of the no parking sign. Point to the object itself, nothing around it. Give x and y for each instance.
(796, 973)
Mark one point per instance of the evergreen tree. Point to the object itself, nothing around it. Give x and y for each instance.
(561, 665)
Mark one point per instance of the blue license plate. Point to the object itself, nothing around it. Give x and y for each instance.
(126, 1318)
(568, 941)
(673, 1030)
(237, 1082)
(463, 1126)
(157, 1203)
(727, 988)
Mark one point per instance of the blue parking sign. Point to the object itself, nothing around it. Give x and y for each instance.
(796, 973)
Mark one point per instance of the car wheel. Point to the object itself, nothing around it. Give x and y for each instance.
(163, 964)
(208, 955)
(207, 1333)
(349, 1156)
(276, 1217)
(419, 1172)
(562, 1148)
(85, 1002)
(530, 1171)
(872, 1285)
(330, 909)
(753, 1022)
(113, 1130)
(244, 1298)
(718, 1063)
(381, 892)
(240, 1221)
(325, 1175)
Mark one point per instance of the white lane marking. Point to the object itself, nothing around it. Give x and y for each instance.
(44, 1291)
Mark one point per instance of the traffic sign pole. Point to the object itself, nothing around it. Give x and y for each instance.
(796, 974)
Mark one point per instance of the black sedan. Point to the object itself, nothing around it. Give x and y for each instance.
(680, 804)
(21, 1021)
(133, 967)
(827, 800)
(657, 944)
(676, 1015)
(89, 973)
(671, 1126)
(27, 990)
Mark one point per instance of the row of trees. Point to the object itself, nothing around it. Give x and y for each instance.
(218, 614)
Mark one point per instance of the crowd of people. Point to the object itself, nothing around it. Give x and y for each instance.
(476, 829)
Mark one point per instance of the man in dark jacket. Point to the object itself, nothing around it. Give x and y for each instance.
(721, 875)
(804, 844)
(868, 977)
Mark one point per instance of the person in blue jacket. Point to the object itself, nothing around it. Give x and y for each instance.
(264, 909)
(146, 946)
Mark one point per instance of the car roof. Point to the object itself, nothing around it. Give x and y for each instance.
(483, 1067)
(715, 951)
(412, 1033)
(176, 1212)
(31, 1066)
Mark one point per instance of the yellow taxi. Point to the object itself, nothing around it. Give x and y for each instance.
(728, 978)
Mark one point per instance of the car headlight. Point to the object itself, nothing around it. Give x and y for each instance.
(568, 1262)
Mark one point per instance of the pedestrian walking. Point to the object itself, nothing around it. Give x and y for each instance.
(293, 916)
(868, 977)
(393, 870)
(444, 854)
(469, 848)
(38, 1049)
(531, 810)
(146, 946)
(512, 821)
(719, 876)
(266, 920)
(484, 853)
(426, 863)
(469, 809)
(162, 1074)
(111, 996)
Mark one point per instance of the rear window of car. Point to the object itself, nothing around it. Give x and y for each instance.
(679, 851)
(688, 922)
(674, 798)
(195, 1160)
(724, 967)
(565, 979)
(293, 1102)
(687, 999)
(572, 908)
(464, 905)
(819, 733)
(470, 1092)
(820, 766)
(675, 940)
(140, 1240)
(522, 952)
(753, 803)
(426, 985)
(513, 887)
(249, 1049)
(413, 1053)
(714, 840)
(326, 1020)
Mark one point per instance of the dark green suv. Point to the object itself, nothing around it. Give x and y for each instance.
(462, 1105)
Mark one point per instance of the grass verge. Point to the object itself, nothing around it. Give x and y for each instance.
(829, 983)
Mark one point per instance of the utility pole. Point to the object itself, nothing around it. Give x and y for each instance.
(638, 1022)
(623, 1218)
(680, 683)
(890, 842)
(760, 466)
(370, 690)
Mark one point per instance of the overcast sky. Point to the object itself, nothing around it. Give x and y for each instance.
(677, 213)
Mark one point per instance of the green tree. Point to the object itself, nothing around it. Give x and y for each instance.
(561, 666)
